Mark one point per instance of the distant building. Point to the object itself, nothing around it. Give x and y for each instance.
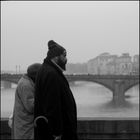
(135, 67)
(111, 64)
(106, 63)
(124, 64)
(92, 66)
(136, 58)
(78, 68)
(102, 64)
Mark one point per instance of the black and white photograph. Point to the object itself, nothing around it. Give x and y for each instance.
(69, 70)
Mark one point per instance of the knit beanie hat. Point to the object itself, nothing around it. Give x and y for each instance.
(54, 49)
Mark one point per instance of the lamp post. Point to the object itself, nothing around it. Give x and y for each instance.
(16, 69)
(19, 69)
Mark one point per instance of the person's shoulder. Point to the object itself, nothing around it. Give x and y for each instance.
(51, 72)
(21, 80)
(48, 69)
(24, 81)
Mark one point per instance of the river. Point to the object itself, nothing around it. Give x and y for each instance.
(93, 101)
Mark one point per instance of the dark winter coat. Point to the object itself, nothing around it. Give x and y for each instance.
(54, 100)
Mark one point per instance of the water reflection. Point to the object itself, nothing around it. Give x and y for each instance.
(132, 95)
(94, 100)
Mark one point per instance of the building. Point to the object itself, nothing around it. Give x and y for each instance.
(124, 64)
(112, 64)
(135, 67)
(102, 64)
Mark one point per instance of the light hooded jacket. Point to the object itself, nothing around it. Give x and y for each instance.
(24, 109)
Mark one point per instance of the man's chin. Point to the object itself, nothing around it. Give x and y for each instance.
(64, 68)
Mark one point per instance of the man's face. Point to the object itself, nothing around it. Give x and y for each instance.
(62, 60)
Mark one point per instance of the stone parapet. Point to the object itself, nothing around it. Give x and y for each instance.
(91, 128)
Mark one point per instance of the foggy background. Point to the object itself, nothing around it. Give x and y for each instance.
(85, 29)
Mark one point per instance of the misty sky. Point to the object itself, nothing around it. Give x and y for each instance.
(85, 29)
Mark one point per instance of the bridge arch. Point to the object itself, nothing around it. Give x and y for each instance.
(108, 86)
(118, 84)
(131, 86)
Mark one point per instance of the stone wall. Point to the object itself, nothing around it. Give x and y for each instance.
(95, 129)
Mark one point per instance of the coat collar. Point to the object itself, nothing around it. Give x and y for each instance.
(57, 65)
(49, 62)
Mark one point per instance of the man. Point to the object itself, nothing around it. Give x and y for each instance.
(55, 107)
(23, 114)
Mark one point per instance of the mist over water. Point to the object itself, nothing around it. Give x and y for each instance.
(93, 100)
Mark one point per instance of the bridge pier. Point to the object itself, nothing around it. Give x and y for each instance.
(119, 93)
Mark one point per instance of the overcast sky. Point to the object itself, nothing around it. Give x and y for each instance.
(85, 29)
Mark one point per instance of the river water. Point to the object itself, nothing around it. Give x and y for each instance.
(93, 101)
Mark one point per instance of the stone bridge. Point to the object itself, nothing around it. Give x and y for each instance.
(118, 84)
